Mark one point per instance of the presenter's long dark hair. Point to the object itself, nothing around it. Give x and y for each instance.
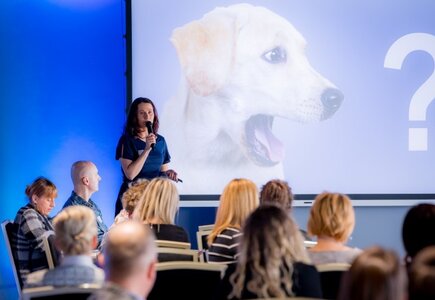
(131, 124)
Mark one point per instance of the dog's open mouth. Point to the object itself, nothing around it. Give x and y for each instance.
(263, 147)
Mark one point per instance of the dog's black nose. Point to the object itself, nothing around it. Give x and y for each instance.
(331, 99)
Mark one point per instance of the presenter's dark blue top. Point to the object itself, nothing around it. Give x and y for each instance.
(130, 147)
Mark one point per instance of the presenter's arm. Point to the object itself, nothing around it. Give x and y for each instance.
(132, 168)
(170, 173)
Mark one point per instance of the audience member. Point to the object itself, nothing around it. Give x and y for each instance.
(129, 263)
(273, 262)
(415, 230)
(332, 220)
(278, 192)
(86, 181)
(422, 275)
(33, 226)
(376, 274)
(130, 199)
(75, 235)
(238, 200)
(158, 207)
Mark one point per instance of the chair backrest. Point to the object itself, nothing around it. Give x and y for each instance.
(309, 244)
(201, 238)
(49, 292)
(166, 254)
(208, 227)
(186, 280)
(9, 229)
(50, 251)
(172, 244)
(330, 278)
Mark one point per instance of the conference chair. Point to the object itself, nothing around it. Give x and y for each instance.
(175, 251)
(50, 251)
(186, 280)
(330, 278)
(9, 229)
(201, 238)
(64, 293)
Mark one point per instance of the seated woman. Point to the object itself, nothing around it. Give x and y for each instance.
(375, 274)
(273, 262)
(158, 207)
(414, 230)
(278, 192)
(238, 200)
(34, 225)
(332, 220)
(76, 236)
(130, 199)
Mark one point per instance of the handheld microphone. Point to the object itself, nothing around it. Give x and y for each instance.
(149, 126)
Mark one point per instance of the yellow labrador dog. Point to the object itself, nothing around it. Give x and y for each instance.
(242, 66)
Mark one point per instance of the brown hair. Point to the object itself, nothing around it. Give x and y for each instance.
(376, 274)
(278, 192)
(422, 275)
(41, 186)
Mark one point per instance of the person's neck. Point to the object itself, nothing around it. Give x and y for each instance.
(83, 193)
(154, 220)
(329, 244)
(133, 286)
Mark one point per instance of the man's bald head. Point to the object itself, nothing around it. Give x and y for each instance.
(130, 248)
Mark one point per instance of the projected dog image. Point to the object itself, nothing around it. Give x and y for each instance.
(242, 67)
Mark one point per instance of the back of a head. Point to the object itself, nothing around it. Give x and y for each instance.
(332, 215)
(159, 200)
(79, 169)
(278, 192)
(422, 275)
(238, 200)
(130, 248)
(131, 197)
(271, 244)
(376, 274)
(415, 228)
(75, 230)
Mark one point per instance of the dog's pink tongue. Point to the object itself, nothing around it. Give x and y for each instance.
(275, 149)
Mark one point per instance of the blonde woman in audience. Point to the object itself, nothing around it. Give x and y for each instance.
(238, 200)
(157, 208)
(76, 236)
(273, 262)
(130, 199)
(376, 274)
(332, 220)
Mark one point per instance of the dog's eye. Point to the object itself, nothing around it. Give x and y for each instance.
(276, 55)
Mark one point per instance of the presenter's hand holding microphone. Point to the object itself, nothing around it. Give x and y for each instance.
(151, 137)
(150, 143)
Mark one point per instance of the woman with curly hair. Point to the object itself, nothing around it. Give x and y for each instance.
(273, 262)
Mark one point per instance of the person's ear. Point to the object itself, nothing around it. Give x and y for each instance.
(94, 242)
(151, 273)
(34, 199)
(85, 180)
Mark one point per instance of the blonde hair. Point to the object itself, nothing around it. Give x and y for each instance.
(270, 245)
(75, 228)
(238, 200)
(131, 197)
(331, 215)
(159, 200)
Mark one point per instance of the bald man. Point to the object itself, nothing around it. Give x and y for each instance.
(130, 257)
(86, 179)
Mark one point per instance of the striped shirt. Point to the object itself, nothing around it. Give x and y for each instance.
(224, 248)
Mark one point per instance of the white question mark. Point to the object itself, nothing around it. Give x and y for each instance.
(424, 95)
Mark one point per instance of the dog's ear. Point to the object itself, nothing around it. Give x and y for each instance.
(205, 50)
